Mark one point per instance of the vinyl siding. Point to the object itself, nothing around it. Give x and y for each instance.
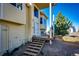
(0, 10)
(16, 35)
(13, 14)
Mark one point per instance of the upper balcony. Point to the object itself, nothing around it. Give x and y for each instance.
(11, 13)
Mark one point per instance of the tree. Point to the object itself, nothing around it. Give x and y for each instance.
(62, 24)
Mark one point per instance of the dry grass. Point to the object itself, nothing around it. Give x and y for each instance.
(71, 39)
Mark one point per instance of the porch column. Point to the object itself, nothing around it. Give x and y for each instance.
(53, 25)
(50, 22)
(50, 25)
(31, 9)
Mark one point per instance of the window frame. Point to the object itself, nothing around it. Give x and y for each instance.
(41, 22)
(19, 7)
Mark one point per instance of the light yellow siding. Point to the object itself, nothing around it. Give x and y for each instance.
(20, 24)
(29, 21)
(0, 10)
(16, 34)
(13, 14)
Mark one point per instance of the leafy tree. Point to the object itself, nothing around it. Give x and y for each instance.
(62, 24)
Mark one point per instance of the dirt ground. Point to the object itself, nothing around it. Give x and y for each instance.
(57, 48)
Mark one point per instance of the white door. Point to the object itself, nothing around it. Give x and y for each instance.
(4, 38)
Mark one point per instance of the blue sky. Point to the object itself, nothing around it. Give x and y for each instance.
(70, 10)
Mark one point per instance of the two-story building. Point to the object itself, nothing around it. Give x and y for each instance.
(12, 26)
(18, 23)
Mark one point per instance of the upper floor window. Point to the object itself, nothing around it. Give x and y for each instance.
(41, 22)
(35, 12)
(14, 4)
(18, 5)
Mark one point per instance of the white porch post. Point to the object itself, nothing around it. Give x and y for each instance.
(50, 25)
(50, 21)
(53, 25)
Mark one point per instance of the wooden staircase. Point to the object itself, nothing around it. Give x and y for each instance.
(34, 48)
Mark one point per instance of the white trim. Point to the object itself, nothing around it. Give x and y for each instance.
(53, 25)
(50, 21)
(1, 10)
(30, 4)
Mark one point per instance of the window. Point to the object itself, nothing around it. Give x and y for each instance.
(41, 21)
(35, 12)
(18, 5)
(14, 4)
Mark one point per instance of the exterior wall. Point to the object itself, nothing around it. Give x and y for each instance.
(36, 26)
(0, 40)
(43, 26)
(29, 23)
(16, 34)
(13, 14)
(0, 10)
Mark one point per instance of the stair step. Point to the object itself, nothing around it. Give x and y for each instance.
(30, 53)
(37, 45)
(38, 41)
(33, 47)
(32, 50)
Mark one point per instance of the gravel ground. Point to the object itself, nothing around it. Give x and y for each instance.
(59, 48)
